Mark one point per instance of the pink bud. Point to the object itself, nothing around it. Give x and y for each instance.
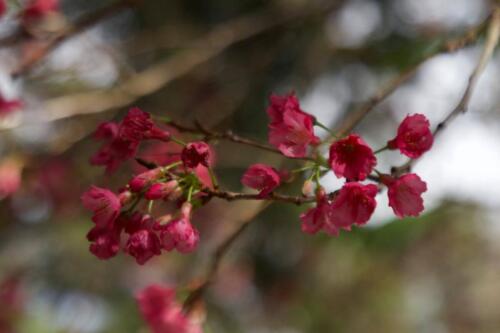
(161, 190)
(139, 182)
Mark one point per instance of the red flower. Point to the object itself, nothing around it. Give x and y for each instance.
(138, 125)
(161, 190)
(139, 182)
(180, 234)
(104, 203)
(405, 194)
(261, 177)
(38, 8)
(8, 106)
(354, 204)
(414, 136)
(105, 241)
(196, 153)
(10, 177)
(351, 158)
(291, 129)
(122, 140)
(3, 7)
(163, 314)
(319, 217)
(116, 150)
(143, 245)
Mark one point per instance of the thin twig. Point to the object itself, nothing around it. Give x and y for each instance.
(490, 44)
(77, 28)
(449, 46)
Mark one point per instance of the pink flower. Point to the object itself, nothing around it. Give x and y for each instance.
(39, 8)
(163, 313)
(115, 150)
(414, 136)
(103, 203)
(10, 177)
(8, 106)
(122, 140)
(143, 245)
(351, 158)
(138, 125)
(405, 194)
(105, 241)
(319, 217)
(139, 182)
(196, 153)
(261, 177)
(291, 129)
(161, 190)
(3, 7)
(354, 204)
(180, 234)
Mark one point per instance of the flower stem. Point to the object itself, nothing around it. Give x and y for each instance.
(323, 126)
(178, 141)
(381, 149)
(213, 178)
(190, 193)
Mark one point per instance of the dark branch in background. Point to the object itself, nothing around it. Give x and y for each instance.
(449, 46)
(160, 74)
(490, 44)
(78, 27)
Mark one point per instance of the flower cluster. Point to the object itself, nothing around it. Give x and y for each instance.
(291, 131)
(163, 313)
(183, 179)
(119, 222)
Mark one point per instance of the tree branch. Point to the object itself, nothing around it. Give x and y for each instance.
(449, 46)
(490, 44)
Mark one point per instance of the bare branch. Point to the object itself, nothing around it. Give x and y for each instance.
(490, 44)
(354, 118)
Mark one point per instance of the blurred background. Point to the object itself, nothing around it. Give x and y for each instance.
(217, 62)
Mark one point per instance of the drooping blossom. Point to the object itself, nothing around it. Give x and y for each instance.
(351, 158)
(405, 194)
(354, 204)
(9, 106)
(291, 130)
(121, 140)
(103, 203)
(414, 136)
(10, 177)
(138, 125)
(139, 182)
(261, 177)
(162, 190)
(115, 150)
(3, 7)
(196, 153)
(180, 234)
(319, 217)
(143, 245)
(105, 241)
(163, 313)
(143, 242)
(36, 9)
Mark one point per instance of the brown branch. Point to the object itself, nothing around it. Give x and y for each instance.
(228, 135)
(354, 118)
(490, 44)
(231, 196)
(196, 294)
(77, 28)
